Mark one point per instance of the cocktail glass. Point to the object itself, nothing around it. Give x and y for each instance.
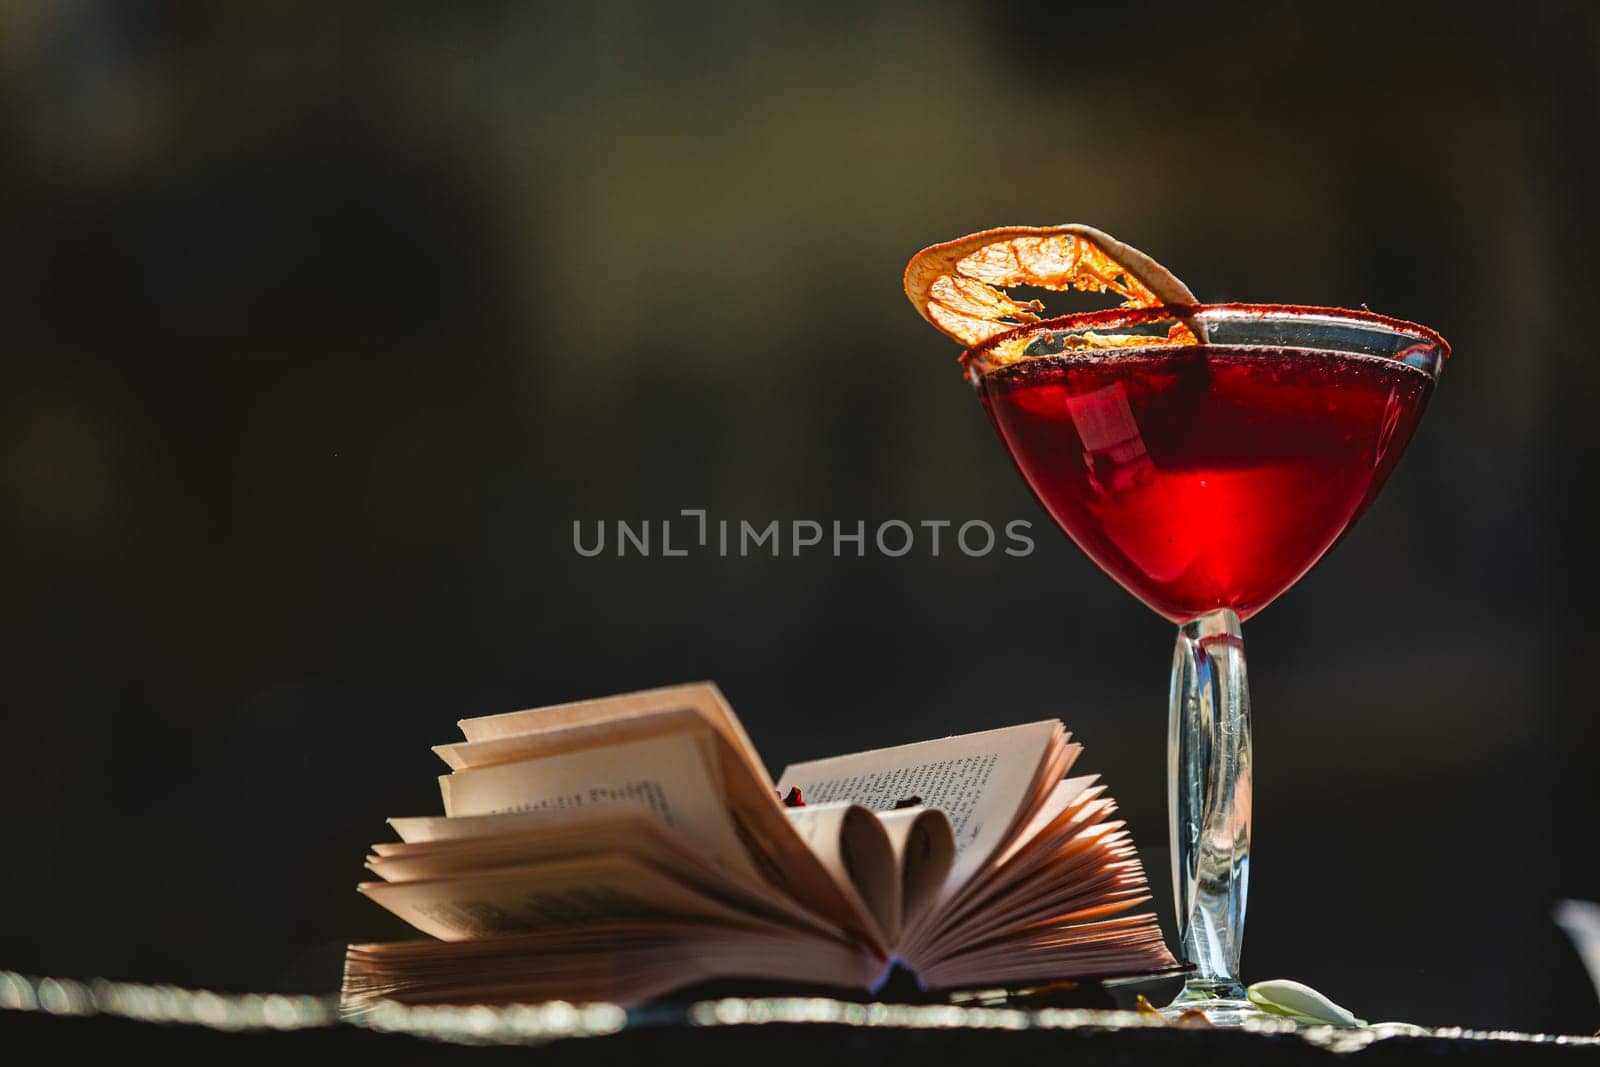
(1207, 478)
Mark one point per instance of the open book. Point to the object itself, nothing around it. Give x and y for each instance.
(620, 849)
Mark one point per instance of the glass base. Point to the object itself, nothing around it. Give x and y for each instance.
(1222, 1003)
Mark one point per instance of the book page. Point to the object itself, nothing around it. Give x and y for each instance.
(704, 698)
(670, 776)
(549, 895)
(770, 842)
(981, 781)
(609, 830)
(499, 841)
(552, 740)
(423, 829)
(924, 850)
(622, 962)
(778, 855)
(855, 851)
(1062, 796)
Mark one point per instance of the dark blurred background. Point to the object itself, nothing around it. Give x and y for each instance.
(321, 328)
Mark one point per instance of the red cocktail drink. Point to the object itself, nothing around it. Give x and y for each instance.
(1204, 477)
(1205, 456)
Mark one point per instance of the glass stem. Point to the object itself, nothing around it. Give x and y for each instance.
(1208, 793)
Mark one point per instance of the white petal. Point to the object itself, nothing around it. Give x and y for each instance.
(1297, 998)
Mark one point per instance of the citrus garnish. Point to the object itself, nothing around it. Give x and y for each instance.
(960, 286)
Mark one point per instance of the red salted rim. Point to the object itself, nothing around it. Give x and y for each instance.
(1133, 316)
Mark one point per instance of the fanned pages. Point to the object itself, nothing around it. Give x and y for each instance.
(624, 848)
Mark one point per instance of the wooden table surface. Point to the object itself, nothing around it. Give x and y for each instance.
(72, 1021)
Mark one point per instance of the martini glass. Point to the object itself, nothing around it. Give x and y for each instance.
(1207, 478)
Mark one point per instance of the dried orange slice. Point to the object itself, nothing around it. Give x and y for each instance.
(959, 285)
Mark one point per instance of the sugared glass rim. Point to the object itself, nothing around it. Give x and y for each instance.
(973, 358)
